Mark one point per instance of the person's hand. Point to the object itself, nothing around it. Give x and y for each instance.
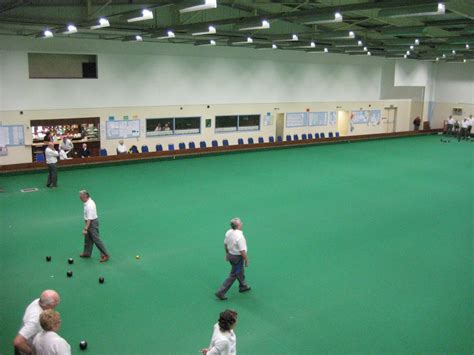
(204, 351)
(246, 262)
(226, 258)
(84, 232)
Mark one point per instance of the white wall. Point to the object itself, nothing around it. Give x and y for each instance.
(454, 83)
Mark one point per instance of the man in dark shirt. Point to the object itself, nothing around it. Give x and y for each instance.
(85, 153)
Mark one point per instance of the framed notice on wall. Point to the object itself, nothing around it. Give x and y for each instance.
(318, 118)
(123, 129)
(12, 135)
(296, 119)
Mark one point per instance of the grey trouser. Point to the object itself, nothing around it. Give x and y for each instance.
(449, 130)
(462, 133)
(92, 237)
(52, 175)
(236, 272)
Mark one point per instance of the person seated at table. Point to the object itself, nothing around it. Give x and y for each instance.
(167, 127)
(67, 146)
(158, 127)
(121, 148)
(63, 154)
(85, 153)
(133, 149)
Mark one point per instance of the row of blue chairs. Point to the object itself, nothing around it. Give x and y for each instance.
(225, 142)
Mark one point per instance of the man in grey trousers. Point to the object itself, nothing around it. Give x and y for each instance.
(91, 228)
(236, 254)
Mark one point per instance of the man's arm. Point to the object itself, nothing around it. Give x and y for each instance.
(21, 344)
(86, 226)
(244, 256)
(226, 252)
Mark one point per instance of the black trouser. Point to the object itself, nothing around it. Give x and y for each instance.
(449, 130)
(462, 133)
(52, 176)
(468, 133)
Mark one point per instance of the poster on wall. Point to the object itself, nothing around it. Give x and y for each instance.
(332, 118)
(296, 119)
(318, 118)
(123, 129)
(375, 117)
(268, 119)
(12, 135)
(360, 117)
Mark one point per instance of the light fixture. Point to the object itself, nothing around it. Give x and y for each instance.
(365, 49)
(286, 39)
(145, 14)
(205, 43)
(312, 44)
(337, 35)
(46, 34)
(437, 59)
(70, 29)
(138, 38)
(444, 56)
(165, 35)
(405, 56)
(101, 23)
(134, 38)
(453, 52)
(249, 40)
(409, 11)
(265, 46)
(360, 43)
(408, 52)
(274, 46)
(417, 41)
(464, 61)
(368, 53)
(210, 30)
(199, 6)
(318, 19)
(467, 46)
(412, 47)
(325, 50)
(262, 25)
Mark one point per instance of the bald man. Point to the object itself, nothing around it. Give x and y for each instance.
(49, 299)
(51, 160)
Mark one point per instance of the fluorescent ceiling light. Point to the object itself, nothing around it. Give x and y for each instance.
(263, 47)
(210, 30)
(46, 34)
(200, 5)
(325, 50)
(412, 47)
(437, 59)
(337, 35)
(101, 23)
(453, 52)
(325, 18)
(444, 56)
(205, 43)
(360, 43)
(167, 35)
(312, 44)
(263, 25)
(135, 38)
(286, 39)
(249, 40)
(145, 15)
(417, 41)
(138, 38)
(368, 53)
(423, 10)
(405, 56)
(70, 30)
(467, 46)
(365, 49)
(408, 53)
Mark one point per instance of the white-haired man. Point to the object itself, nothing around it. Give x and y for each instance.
(235, 247)
(49, 299)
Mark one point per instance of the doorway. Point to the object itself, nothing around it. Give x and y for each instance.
(280, 125)
(391, 123)
(343, 123)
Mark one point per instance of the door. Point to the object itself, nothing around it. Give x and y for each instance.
(343, 123)
(391, 122)
(280, 125)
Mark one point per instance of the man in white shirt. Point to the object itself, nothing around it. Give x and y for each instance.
(91, 228)
(63, 155)
(121, 148)
(235, 247)
(67, 146)
(463, 131)
(48, 342)
(470, 122)
(49, 299)
(223, 341)
(449, 129)
(51, 159)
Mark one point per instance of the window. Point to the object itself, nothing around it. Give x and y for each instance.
(187, 125)
(226, 123)
(170, 126)
(62, 66)
(237, 123)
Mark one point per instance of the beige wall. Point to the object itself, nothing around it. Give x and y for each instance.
(442, 110)
(23, 154)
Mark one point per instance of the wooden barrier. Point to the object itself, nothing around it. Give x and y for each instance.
(13, 168)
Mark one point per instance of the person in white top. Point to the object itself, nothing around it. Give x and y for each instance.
(235, 247)
(51, 159)
(49, 299)
(223, 341)
(470, 122)
(463, 131)
(121, 148)
(48, 342)
(91, 228)
(63, 155)
(450, 126)
(67, 146)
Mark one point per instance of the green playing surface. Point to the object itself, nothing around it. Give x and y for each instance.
(362, 247)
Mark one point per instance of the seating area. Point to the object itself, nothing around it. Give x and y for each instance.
(225, 142)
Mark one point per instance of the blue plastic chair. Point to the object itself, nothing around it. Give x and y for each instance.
(170, 146)
(192, 145)
(159, 148)
(304, 137)
(271, 139)
(214, 143)
(337, 134)
(316, 136)
(240, 141)
(225, 143)
(330, 135)
(40, 158)
(103, 152)
(202, 144)
(295, 137)
(260, 140)
(182, 146)
(250, 140)
(310, 135)
(145, 149)
(279, 139)
(134, 149)
(288, 138)
(322, 135)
